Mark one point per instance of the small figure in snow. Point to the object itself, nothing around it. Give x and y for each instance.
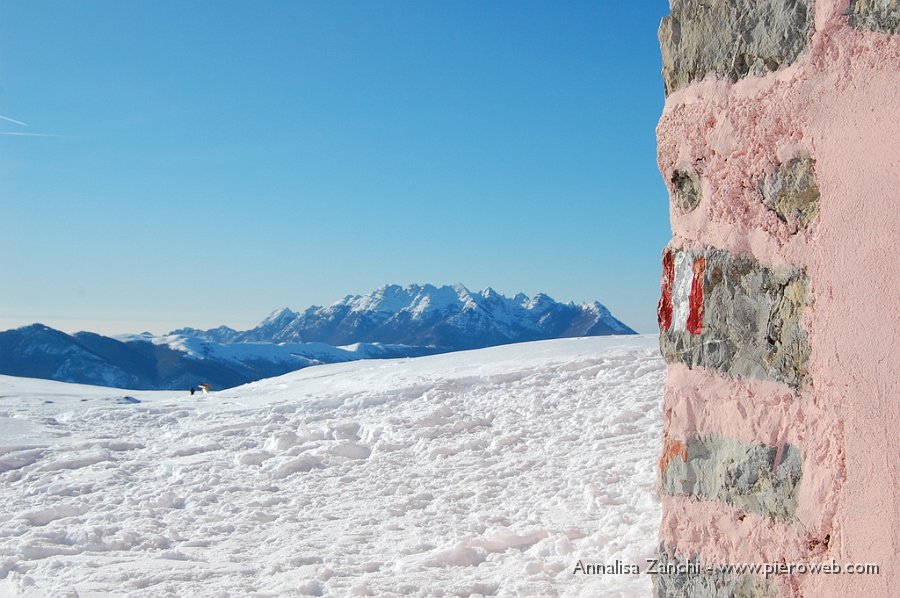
(192, 391)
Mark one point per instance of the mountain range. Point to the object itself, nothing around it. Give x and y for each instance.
(447, 318)
(393, 321)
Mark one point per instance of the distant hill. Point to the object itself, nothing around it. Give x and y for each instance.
(145, 362)
(393, 321)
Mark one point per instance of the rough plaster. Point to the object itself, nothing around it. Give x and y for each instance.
(838, 103)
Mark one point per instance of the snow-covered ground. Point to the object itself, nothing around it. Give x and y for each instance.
(485, 472)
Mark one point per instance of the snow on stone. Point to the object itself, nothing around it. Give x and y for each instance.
(487, 472)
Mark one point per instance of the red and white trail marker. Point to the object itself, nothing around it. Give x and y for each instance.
(681, 302)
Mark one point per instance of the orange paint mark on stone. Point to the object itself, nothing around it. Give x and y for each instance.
(672, 449)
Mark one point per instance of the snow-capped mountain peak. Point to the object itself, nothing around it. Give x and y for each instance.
(445, 318)
(431, 299)
(540, 303)
(392, 321)
(279, 316)
(389, 298)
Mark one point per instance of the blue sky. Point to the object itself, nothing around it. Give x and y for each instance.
(214, 161)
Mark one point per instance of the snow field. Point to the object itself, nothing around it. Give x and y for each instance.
(487, 472)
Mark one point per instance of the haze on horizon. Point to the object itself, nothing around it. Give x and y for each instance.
(165, 164)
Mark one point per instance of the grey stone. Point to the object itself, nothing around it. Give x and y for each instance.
(752, 477)
(751, 322)
(731, 39)
(792, 192)
(879, 15)
(686, 190)
(689, 578)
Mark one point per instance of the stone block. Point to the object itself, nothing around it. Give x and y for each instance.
(878, 15)
(731, 314)
(792, 192)
(686, 190)
(756, 478)
(689, 578)
(730, 39)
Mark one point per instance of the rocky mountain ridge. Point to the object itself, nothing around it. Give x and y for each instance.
(390, 322)
(446, 318)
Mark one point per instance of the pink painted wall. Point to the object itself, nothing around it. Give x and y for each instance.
(840, 104)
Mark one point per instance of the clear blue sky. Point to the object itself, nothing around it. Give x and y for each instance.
(214, 161)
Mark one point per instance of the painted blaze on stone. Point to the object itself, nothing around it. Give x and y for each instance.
(681, 304)
(733, 315)
(754, 477)
(731, 39)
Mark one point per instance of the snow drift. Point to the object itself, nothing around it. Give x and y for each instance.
(485, 472)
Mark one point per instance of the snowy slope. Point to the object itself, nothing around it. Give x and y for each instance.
(483, 472)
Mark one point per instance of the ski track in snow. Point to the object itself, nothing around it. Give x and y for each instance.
(486, 472)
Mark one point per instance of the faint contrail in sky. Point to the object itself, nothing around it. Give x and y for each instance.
(19, 122)
(30, 134)
(12, 120)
